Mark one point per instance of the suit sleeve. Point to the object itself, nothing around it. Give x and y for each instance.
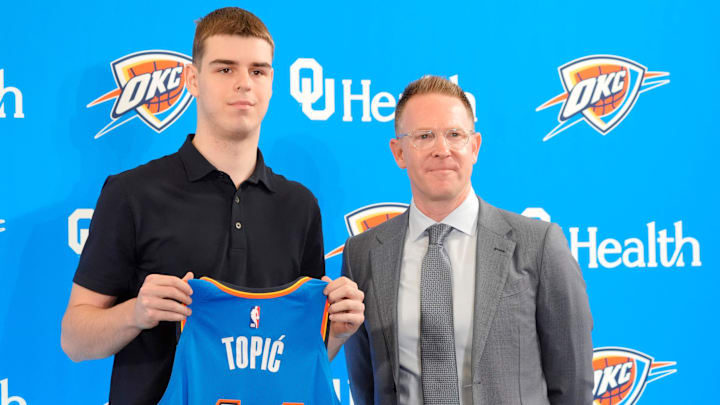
(357, 350)
(564, 323)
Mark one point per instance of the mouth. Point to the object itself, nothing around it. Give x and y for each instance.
(241, 104)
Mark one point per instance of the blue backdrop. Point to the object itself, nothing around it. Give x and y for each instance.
(630, 181)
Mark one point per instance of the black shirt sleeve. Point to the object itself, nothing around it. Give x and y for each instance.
(108, 260)
(313, 258)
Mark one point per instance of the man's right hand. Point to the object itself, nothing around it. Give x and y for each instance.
(94, 326)
(162, 298)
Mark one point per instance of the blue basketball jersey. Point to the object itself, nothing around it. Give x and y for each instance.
(253, 348)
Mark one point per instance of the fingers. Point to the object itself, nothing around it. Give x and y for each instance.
(346, 311)
(166, 287)
(343, 288)
(162, 298)
(349, 321)
(170, 281)
(154, 307)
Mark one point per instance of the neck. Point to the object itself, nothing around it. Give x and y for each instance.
(235, 156)
(437, 210)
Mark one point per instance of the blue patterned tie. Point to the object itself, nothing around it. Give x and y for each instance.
(437, 334)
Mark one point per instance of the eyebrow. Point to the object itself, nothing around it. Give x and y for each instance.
(234, 63)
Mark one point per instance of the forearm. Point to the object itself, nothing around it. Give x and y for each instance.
(334, 345)
(90, 332)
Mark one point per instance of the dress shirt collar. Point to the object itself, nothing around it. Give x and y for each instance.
(197, 167)
(463, 218)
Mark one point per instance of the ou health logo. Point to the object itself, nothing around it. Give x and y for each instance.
(621, 374)
(150, 85)
(600, 89)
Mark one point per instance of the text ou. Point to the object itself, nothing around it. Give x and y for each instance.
(308, 90)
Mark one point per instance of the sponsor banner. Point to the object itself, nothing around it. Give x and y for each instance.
(610, 134)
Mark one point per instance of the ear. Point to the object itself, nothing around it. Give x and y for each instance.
(398, 153)
(191, 79)
(272, 75)
(475, 142)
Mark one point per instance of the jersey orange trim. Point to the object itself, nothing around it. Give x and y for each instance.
(323, 327)
(264, 295)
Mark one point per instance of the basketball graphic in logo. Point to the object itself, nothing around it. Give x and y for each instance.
(368, 217)
(600, 89)
(621, 375)
(150, 85)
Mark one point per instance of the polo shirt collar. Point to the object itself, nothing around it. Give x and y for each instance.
(197, 167)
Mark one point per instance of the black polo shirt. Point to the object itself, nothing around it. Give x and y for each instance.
(178, 214)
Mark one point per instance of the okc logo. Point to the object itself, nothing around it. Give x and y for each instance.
(601, 89)
(368, 217)
(150, 85)
(621, 374)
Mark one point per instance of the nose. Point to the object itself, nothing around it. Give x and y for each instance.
(243, 81)
(440, 147)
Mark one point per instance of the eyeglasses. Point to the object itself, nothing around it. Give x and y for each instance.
(425, 138)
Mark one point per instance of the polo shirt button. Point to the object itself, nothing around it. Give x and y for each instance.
(237, 200)
(238, 225)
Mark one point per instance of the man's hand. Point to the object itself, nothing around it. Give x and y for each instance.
(347, 311)
(162, 298)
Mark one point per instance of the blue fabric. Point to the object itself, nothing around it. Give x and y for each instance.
(228, 356)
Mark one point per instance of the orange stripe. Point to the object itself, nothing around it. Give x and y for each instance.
(335, 251)
(323, 328)
(662, 364)
(244, 294)
(649, 75)
(107, 96)
(228, 402)
(552, 101)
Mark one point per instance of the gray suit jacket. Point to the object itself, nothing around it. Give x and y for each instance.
(532, 322)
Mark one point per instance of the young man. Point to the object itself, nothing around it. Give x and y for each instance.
(211, 209)
(466, 303)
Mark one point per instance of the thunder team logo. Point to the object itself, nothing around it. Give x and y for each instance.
(150, 85)
(600, 89)
(621, 374)
(367, 217)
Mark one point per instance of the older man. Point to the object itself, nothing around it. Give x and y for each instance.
(465, 303)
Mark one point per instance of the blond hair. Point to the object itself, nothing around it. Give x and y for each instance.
(431, 85)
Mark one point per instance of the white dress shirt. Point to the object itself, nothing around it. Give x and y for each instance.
(460, 245)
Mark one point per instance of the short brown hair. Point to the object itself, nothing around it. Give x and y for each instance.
(431, 85)
(228, 21)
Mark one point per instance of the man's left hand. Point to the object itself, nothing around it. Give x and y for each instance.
(347, 311)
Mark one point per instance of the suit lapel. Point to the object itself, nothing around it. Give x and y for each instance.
(494, 253)
(385, 260)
